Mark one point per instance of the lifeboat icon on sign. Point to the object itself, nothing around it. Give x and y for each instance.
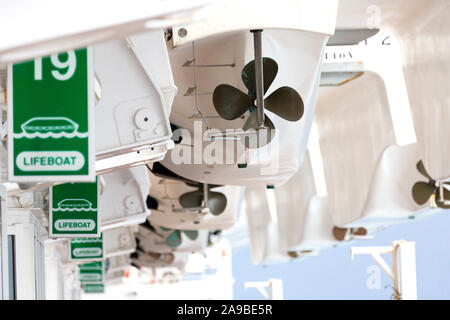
(50, 127)
(75, 204)
(45, 125)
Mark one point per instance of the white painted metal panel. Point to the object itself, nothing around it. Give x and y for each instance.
(32, 29)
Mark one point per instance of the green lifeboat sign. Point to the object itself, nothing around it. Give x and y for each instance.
(50, 125)
(74, 210)
(91, 272)
(86, 249)
(94, 288)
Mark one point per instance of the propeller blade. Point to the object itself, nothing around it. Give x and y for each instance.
(422, 192)
(286, 103)
(423, 171)
(174, 239)
(229, 102)
(169, 258)
(442, 206)
(359, 232)
(191, 234)
(217, 202)
(263, 137)
(270, 70)
(339, 233)
(191, 199)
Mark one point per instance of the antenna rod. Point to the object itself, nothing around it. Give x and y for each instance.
(259, 77)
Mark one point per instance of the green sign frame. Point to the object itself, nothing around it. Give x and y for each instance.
(74, 210)
(86, 249)
(51, 118)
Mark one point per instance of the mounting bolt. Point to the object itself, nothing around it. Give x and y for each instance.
(141, 135)
(123, 240)
(143, 119)
(131, 204)
(182, 32)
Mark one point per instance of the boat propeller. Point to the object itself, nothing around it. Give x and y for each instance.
(342, 234)
(231, 103)
(215, 201)
(422, 191)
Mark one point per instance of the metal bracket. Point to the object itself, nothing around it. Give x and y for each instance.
(403, 271)
(190, 92)
(189, 63)
(233, 135)
(275, 287)
(195, 210)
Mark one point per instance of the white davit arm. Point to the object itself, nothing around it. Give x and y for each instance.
(403, 271)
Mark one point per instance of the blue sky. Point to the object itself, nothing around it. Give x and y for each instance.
(333, 275)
